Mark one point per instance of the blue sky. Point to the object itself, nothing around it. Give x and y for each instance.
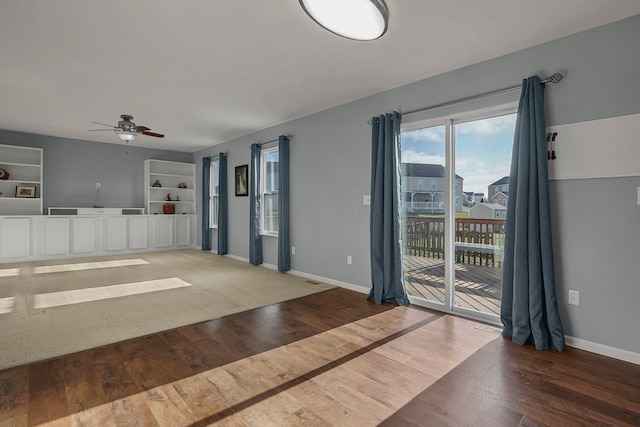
(483, 149)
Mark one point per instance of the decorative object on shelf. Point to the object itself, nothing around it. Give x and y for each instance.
(177, 198)
(4, 174)
(175, 178)
(24, 191)
(241, 180)
(168, 208)
(156, 183)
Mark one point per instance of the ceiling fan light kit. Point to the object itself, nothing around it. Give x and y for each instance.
(353, 19)
(126, 135)
(128, 130)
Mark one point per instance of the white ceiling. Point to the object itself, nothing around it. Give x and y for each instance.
(204, 72)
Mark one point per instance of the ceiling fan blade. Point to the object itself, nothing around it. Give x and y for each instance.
(102, 124)
(141, 128)
(157, 135)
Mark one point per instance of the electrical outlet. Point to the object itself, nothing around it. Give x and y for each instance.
(349, 259)
(98, 185)
(574, 297)
(366, 200)
(293, 250)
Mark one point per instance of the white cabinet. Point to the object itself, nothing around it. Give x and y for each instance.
(16, 237)
(169, 180)
(21, 192)
(84, 235)
(117, 233)
(164, 231)
(183, 230)
(137, 232)
(25, 238)
(57, 235)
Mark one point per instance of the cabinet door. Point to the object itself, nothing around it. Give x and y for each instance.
(16, 237)
(164, 231)
(116, 233)
(56, 236)
(84, 235)
(183, 230)
(138, 232)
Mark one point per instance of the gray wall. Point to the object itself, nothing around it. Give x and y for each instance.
(71, 169)
(330, 156)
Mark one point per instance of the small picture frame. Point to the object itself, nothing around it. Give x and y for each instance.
(242, 180)
(25, 191)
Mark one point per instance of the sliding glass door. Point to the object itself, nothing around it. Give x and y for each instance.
(455, 190)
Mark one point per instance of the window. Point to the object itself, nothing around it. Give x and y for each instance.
(214, 189)
(420, 184)
(465, 152)
(269, 191)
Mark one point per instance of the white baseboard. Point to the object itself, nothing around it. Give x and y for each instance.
(237, 258)
(345, 285)
(604, 350)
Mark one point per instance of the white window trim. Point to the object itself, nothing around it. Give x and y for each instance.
(212, 193)
(263, 173)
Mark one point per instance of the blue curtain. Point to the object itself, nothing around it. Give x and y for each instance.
(223, 219)
(387, 275)
(206, 195)
(284, 232)
(529, 309)
(255, 238)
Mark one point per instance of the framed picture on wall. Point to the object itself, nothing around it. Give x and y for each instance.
(23, 191)
(242, 187)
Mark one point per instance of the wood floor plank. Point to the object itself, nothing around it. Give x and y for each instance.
(47, 394)
(132, 411)
(14, 395)
(327, 359)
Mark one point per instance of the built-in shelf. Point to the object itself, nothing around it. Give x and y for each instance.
(177, 181)
(24, 166)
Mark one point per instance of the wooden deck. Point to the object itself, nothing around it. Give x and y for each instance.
(477, 287)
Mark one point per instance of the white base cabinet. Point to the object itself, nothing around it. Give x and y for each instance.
(25, 238)
(16, 238)
(57, 236)
(84, 235)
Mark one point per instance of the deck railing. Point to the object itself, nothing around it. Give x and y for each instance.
(478, 241)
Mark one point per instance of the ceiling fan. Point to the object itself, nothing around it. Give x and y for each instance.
(128, 130)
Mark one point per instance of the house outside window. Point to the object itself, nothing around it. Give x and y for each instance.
(214, 191)
(420, 184)
(269, 191)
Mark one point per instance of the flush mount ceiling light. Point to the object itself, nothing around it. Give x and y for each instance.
(353, 19)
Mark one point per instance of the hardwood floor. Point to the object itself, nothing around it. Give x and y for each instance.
(327, 359)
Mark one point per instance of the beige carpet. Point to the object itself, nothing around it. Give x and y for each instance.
(51, 308)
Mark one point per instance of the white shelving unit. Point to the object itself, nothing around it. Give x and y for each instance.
(24, 165)
(170, 175)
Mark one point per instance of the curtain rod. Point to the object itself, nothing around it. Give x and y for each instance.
(554, 78)
(272, 141)
(215, 156)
